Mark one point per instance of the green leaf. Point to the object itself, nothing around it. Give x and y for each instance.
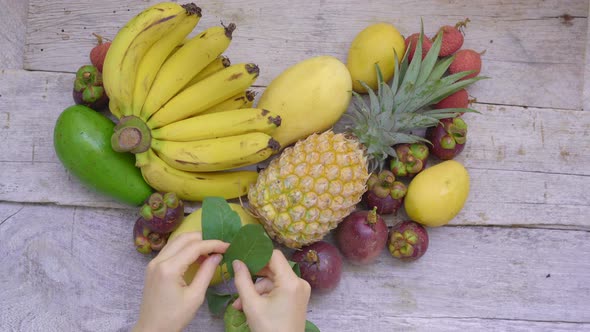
(413, 70)
(220, 222)
(387, 99)
(429, 62)
(296, 268)
(252, 246)
(379, 79)
(373, 99)
(310, 327)
(395, 82)
(441, 68)
(218, 302)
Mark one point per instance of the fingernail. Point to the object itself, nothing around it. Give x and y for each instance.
(237, 265)
(216, 258)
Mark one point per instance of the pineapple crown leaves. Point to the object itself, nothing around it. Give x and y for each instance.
(394, 110)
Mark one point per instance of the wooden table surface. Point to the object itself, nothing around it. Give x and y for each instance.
(517, 258)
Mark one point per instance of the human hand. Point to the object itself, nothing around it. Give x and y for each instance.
(277, 302)
(168, 303)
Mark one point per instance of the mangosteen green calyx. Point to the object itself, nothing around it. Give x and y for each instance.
(408, 241)
(384, 193)
(411, 159)
(448, 138)
(163, 212)
(88, 88)
(145, 240)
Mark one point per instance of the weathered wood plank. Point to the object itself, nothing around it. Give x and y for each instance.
(586, 94)
(80, 267)
(515, 35)
(12, 33)
(519, 158)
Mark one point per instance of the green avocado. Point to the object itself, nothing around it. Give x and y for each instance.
(82, 141)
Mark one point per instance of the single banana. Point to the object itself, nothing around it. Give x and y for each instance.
(205, 94)
(185, 64)
(114, 108)
(217, 154)
(218, 64)
(193, 186)
(221, 124)
(132, 42)
(244, 99)
(177, 48)
(154, 58)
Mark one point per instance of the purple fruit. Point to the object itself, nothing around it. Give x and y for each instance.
(448, 138)
(384, 193)
(408, 241)
(320, 264)
(145, 240)
(162, 213)
(411, 159)
(88, 88)
(361, 237)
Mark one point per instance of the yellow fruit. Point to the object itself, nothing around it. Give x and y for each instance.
(374, 45)
(192, 223)
(437, 194)
(310, 97)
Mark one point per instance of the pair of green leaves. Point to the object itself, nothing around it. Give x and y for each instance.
(249, 243)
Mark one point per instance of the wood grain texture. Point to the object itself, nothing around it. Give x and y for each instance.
(13, 28)
(534, 50)
(79, 265)
(525, 169)
(586, 93)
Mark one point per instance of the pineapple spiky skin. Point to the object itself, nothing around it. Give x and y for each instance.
(310, 188)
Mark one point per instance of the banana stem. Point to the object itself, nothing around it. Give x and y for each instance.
(131, 135)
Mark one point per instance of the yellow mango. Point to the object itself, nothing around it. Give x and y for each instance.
(376, 44)
(193, 223)
(437, 194)
(310, 97)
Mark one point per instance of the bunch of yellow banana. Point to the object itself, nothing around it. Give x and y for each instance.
(184, 110)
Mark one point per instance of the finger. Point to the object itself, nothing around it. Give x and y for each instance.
(191, 252)
(278, 268)
(262, 286)
(243, 282)
(172, 247)
(204, 275)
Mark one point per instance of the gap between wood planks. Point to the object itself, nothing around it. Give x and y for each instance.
(548, 227)
(495, 319)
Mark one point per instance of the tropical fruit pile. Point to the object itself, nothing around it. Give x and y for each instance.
(188, 117)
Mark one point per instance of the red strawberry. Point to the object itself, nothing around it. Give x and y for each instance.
(413, 39)
(459, 99)
(99, 52)
(466, 60)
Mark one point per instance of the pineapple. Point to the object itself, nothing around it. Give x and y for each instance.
(312, 186)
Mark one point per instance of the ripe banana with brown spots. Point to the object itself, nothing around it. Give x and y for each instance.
(190, 185)
(205, 94)
(221, 124)
(131, 44)
(217, 154)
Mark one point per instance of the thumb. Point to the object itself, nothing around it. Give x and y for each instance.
(244, 283)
